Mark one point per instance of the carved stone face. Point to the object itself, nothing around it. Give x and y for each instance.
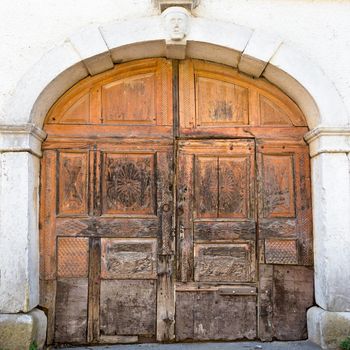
(176, 22)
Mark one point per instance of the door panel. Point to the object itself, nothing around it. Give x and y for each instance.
(111, 203)
(216, 239)
(208, 315)
(285, 228)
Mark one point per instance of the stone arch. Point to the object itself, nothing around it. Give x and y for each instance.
(97, 49)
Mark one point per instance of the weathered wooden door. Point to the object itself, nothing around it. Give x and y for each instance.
(175, 205)
(216, 290)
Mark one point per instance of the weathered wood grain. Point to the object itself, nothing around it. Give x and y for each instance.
(71, 310)
(128, 307)
(210, 316)
(93, 329)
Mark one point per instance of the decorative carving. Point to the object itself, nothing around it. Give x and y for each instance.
(176, 22)
(281, 251)
(233, 187)
(131, 259)
(72, 186)
(227, 263)
(73, 257)
(128, 184)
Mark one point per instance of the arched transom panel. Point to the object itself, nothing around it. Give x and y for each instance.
(214, 100)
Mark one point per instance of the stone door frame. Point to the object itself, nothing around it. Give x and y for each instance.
(96, 49)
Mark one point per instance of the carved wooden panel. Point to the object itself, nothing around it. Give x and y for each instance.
(224, 262)
(222, 187)
(73, 184)
(278, 186)
(71, 310)
(73, 257)
(224, 230)
(128, 184)
(202, 316)
(206, 187)
(234, 187)
(130, 100)
(128, 259)
(128, 307)
(220, 102)
(106, 226)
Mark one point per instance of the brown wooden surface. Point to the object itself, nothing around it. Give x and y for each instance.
(144, 212)
(285, 294)
(205, 316)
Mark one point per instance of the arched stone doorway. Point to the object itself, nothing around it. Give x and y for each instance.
(175, 205)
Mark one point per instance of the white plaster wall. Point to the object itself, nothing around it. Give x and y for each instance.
(321, 29)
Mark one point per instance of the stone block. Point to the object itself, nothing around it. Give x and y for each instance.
(16, 138)
(19, 237)
(92, 49)
(326, 328)
(222, 45)
(328, 140)
(135, 39)
(258, 52)
(19, 331)
(331, 222)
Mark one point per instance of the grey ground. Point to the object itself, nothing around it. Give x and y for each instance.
(296, 345)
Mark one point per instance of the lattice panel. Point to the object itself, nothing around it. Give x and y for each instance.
(281, 251)
(73, 257)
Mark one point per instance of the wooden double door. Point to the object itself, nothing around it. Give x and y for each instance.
(155, 228)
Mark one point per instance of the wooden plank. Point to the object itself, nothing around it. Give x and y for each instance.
(47, 240)
(283, 228)
(71, 310)
(224, 230)
(304, 210)
(108, 227)
(214, 286)
(165, 299)
(48, 216)
(265, 303)
(128, 307)
(184, 216)
(93, 330)
(165, 205)
(48, 303)
(119, 339)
